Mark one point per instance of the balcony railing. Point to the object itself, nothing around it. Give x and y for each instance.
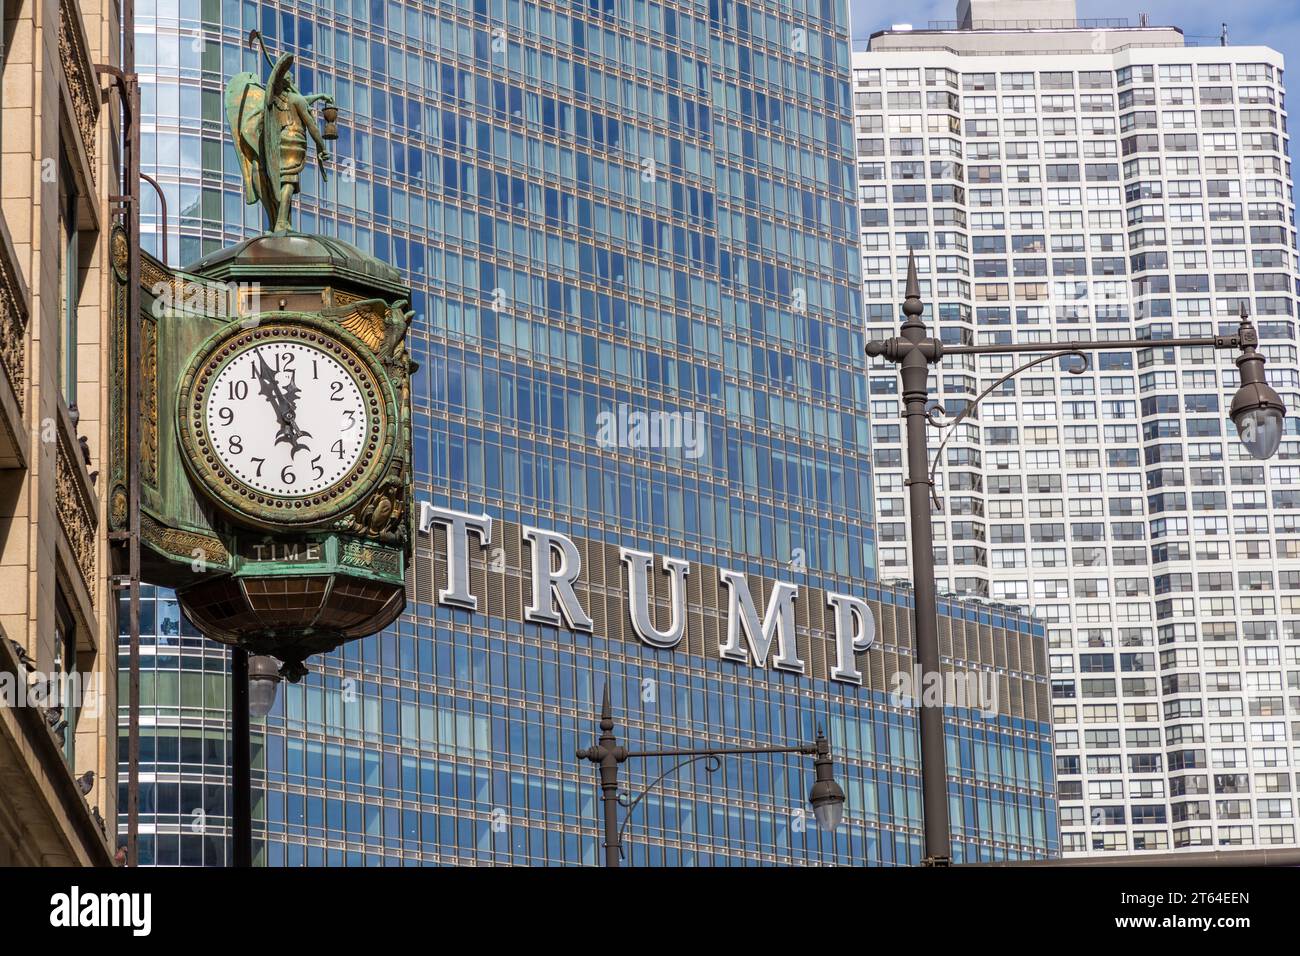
(1105, 23)
(80, 74)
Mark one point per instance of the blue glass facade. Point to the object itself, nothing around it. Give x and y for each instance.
(599, 205)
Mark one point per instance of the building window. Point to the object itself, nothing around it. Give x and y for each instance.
(65, 669)
(69, 281)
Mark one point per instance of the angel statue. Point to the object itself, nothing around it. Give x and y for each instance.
(270, 125)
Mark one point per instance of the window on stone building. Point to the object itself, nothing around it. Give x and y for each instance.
(69, 280)
(65, 712)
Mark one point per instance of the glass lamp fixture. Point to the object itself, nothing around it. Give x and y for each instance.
(1260, 429)
(1256, 409)
(263, 682)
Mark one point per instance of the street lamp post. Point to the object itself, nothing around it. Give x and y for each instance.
(826, 796)
(254, 679)
(1257, 411)
(914, 352)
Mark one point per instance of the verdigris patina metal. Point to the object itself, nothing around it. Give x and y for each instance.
(276, 497)
(270, 125)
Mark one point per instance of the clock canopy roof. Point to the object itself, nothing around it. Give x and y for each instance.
(294, 257)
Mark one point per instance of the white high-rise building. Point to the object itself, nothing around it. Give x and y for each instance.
(1065, 180)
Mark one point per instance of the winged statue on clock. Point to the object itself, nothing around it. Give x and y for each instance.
(271, 125)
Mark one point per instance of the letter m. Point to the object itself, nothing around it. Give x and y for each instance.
(116, 907)
(777, 624)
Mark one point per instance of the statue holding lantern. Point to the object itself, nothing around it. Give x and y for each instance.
(271, 125)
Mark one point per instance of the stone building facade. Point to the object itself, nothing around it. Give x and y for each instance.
(58, 693)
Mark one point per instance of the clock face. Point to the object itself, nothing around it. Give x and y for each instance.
(287, 418)
(286, 423)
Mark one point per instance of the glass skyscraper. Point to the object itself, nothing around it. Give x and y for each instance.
(605, 209)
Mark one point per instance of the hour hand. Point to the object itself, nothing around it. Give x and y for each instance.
(290, 432)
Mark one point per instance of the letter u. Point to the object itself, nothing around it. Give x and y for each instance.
(638, 565)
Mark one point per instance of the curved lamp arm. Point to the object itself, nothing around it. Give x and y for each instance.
(951, 426)
(713, 763)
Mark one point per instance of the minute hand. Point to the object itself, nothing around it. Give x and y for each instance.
(284, 407)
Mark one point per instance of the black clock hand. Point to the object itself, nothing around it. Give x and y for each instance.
(284, 408)
(290, 395)
(291, 431)
(270, 388)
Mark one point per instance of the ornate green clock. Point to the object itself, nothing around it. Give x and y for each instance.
(286, 423)
(275, 424)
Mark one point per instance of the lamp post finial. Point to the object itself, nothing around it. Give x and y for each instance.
(606, 711)
(912, 305)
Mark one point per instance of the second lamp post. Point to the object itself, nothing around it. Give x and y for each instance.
(826, 797)
(1257, 411)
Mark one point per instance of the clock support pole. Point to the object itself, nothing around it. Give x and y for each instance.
(241, 774)
(125, 528)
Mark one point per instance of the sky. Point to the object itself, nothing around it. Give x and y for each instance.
(1274, 23)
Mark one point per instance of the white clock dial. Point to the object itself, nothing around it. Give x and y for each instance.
(287, 419)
